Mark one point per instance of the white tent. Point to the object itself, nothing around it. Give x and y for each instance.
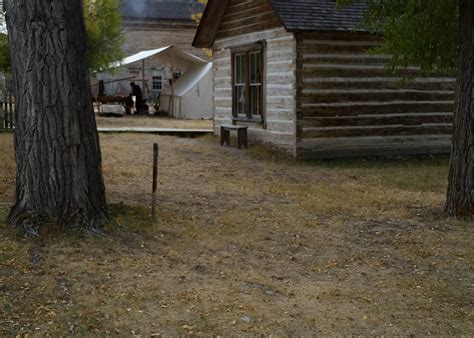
(192, 95)
(192, 92)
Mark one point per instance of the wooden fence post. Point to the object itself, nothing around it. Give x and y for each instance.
(10, 110)
(3, 123)
(155, 180)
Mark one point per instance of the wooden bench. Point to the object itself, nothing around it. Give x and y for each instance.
(241, 135)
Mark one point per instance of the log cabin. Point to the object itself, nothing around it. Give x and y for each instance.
(301, 75)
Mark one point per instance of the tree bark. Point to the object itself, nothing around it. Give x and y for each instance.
(460, 195)
(59, 177)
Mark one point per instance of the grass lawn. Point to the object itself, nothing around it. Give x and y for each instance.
(246, 243)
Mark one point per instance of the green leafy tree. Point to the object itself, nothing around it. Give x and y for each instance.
(104, 29)
(416, 32)
(4, 54)
(438, 36)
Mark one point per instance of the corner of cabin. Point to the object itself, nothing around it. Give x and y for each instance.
(247, 23)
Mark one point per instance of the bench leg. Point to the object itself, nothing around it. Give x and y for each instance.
(242, 138)
(227, 137)
(239, 139)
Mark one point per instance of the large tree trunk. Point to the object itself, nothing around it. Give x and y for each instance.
(59, 178)
(460, 196)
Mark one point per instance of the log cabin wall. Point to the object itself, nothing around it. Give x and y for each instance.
(246, 16)
(244, 23)
(348, 105)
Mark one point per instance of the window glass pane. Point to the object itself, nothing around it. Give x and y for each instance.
(255, 77)
(177, 74)
(255, 67)
(239, 84)
(255, 100)
(239, 102)
(239, 68)
(157, 83)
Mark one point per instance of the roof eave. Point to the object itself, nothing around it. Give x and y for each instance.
(207, 29)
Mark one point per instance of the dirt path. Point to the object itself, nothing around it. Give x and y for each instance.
(247, 244)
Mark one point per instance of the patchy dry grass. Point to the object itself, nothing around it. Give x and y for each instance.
(152, 122)
(246, 243)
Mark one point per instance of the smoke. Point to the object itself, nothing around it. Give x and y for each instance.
(139, 8)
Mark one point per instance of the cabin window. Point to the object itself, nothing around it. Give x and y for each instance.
(255, 84)
(157, 83)
(177, 74)
(247, 83)
(239, 85)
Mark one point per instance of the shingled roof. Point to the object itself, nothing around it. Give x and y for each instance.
(295, 16)
(156, 10)
(319, 15)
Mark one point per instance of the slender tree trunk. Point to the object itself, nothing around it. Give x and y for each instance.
(460, 196)
(59, 178)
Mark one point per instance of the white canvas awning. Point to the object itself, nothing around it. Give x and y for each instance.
(165, 54)
(192, 92)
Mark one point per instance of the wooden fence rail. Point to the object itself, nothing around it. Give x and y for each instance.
(7, 113)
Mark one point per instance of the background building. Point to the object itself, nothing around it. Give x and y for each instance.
(148, 25)
(151, 24)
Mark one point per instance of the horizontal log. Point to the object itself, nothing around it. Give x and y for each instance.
(222, 82)
(222, 72)
(435, 129)
(284, 102)
(280, 78)
(280, 55)
(370, 108)
(282, 114)
(377, 120)
(282, 44)
(245, 19)
(241, 40)
(223, 101)
(334, 49)
(287, 140)
(243, 7)
(379, 83)
(376, 95)
(218, 121)
(280, 92)
(281, 126)
(225, 111)
(251, 28)
(280, 66)
(348, 59)
(350, 147)
(366, 71)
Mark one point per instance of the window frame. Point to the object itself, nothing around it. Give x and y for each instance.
(177, 74)
(158, 81)
(247, 51)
